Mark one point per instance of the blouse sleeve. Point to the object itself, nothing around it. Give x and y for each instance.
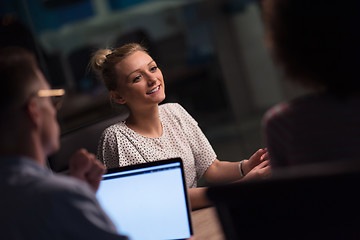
(107, 151)
(203, 152)
(117, 149)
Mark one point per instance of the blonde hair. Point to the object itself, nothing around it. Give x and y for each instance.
(103, 62)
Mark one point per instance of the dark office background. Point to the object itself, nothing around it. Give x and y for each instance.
(211, 52)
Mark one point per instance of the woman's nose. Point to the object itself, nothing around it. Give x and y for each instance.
(151, 79)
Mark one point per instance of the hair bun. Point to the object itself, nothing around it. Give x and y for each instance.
(99, 58)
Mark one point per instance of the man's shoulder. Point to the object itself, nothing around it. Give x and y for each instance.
(59, 185)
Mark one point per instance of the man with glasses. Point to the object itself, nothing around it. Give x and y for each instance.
(34, 202)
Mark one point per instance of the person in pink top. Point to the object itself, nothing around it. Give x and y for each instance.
(317, 44)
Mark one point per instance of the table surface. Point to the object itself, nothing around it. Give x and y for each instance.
(206, 224)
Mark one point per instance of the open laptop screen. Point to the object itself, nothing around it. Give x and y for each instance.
(147, 201)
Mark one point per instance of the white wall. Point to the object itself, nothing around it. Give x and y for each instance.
(262, 76)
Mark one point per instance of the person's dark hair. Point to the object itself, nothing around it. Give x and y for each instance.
(17, 73)
(316, 42)
(19, 80)
(104, 61)
(14, 33)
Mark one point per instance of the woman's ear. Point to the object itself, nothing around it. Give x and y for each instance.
(116, 97)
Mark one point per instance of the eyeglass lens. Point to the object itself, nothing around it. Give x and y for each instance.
(57, 101)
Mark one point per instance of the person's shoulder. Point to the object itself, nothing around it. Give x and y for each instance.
(115, 129)
(59, 184)
(276, 111)
(175, 112)
(118, 125)
(291, 107)
(58, 190)
(172, 108)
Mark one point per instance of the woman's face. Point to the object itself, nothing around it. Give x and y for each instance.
(140, 81)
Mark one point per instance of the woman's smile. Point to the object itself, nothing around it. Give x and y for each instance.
(153, 90)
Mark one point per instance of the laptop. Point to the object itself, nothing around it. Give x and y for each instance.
(148, 201)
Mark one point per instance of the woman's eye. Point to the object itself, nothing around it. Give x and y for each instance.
(153, 68)
(136, 79)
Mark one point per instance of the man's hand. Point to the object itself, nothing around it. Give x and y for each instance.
(86, 167)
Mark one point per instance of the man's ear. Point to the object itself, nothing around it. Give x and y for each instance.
(33, 112)
(115, 96)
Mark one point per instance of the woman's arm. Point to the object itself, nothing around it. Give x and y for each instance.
(225, 171)
(198, 198)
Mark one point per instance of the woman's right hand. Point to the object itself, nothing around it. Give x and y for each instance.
(261, 171)
(258, 157)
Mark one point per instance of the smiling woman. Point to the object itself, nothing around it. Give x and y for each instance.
(155, 132)
(140, 82)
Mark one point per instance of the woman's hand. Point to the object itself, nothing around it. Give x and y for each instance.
(258, 157)
(221, 172)
(261, 171)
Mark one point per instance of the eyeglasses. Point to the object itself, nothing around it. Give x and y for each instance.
(56, 96)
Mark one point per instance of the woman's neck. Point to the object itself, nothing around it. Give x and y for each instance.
(146, 122)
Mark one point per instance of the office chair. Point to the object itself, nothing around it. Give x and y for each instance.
(312, 202)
